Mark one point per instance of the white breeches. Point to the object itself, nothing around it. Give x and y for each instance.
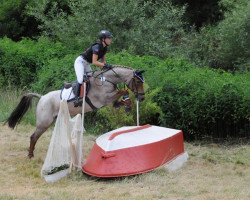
(81, 67)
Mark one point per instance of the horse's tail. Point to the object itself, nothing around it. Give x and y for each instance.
(17, 114)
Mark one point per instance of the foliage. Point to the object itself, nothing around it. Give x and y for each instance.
(14, 22)
(206, 103)
(200, 101)
(137, 26)
(234, 37)
(201, 13)
(149, 111)
(20, 62)
(52, 75)
(211, 33)
(109, 118)
(223, 46)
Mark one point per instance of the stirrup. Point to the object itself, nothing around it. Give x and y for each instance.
(77, 102)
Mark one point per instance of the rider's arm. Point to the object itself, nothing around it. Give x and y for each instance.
(103, 59)
(96, 62)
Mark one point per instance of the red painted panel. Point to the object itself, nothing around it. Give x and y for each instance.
(133, 160)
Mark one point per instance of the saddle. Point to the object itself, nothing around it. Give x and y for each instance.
(74, 87)
(74, 90)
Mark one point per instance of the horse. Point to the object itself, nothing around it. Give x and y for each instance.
(103, 91)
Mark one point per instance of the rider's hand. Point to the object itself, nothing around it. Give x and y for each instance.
(107, 66)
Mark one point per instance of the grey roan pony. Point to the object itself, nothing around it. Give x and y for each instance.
(101, 93)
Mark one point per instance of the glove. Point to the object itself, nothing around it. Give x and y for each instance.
(107, 66)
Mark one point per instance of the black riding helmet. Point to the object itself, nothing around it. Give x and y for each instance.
(104, 34)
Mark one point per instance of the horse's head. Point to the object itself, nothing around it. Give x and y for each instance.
(136, 85)
(132, 78)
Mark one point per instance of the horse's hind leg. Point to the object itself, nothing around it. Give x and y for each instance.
(46, 112)
(33, 139)
(43, 123)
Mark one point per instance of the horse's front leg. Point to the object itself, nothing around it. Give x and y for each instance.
(120, 93)
(124, 102)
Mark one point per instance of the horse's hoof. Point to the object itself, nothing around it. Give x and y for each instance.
(128, 109)
(30, 155)
(116, 104)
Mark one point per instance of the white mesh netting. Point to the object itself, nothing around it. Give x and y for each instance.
(65, 149)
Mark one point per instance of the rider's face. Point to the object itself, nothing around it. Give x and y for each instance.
(108, 41)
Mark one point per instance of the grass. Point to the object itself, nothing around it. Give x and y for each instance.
(212, 172)
(9, 100)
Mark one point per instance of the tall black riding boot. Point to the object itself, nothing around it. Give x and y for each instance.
(77, 97)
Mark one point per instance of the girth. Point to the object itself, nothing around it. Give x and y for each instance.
(88, 101)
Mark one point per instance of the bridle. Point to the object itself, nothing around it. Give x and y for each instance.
(132, 84)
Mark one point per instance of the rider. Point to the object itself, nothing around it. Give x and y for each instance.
(92, 55)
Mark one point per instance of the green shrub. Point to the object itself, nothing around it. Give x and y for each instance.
(53, 74)
(200, 101)
(109, 118)
(206, 103)
(20, 62)
(225, 45)
(149, 111)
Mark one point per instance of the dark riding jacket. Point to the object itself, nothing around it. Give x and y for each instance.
(96, 48)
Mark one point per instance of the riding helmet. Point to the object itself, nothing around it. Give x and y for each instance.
(103, 34)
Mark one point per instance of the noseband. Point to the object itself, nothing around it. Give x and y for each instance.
(134, 84)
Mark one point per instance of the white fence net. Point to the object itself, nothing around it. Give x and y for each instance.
(65, 149)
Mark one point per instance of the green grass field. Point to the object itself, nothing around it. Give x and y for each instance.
(212, 172)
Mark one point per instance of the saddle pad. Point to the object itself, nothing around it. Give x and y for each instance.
(67, 94)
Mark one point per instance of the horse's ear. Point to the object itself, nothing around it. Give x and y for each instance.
(140, 71)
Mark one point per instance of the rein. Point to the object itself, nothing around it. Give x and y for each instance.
(97, 77)
(133, 83)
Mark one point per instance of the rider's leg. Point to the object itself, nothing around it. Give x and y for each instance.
(79, 69)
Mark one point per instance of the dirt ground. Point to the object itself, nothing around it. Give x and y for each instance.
(212, 172)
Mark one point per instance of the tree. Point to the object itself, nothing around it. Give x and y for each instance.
(14, 22)
(202, 12)
(225, 45)
(139, 27)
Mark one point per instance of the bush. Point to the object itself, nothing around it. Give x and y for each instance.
(53, 74)
(20, 62)
(206, 103)
(109, 118)
(200, 101)
(225, 45)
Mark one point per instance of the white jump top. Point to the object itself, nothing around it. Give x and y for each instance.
(132, 136)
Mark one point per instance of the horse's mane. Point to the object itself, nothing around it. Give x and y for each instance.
(114, 66)
(122, 66)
